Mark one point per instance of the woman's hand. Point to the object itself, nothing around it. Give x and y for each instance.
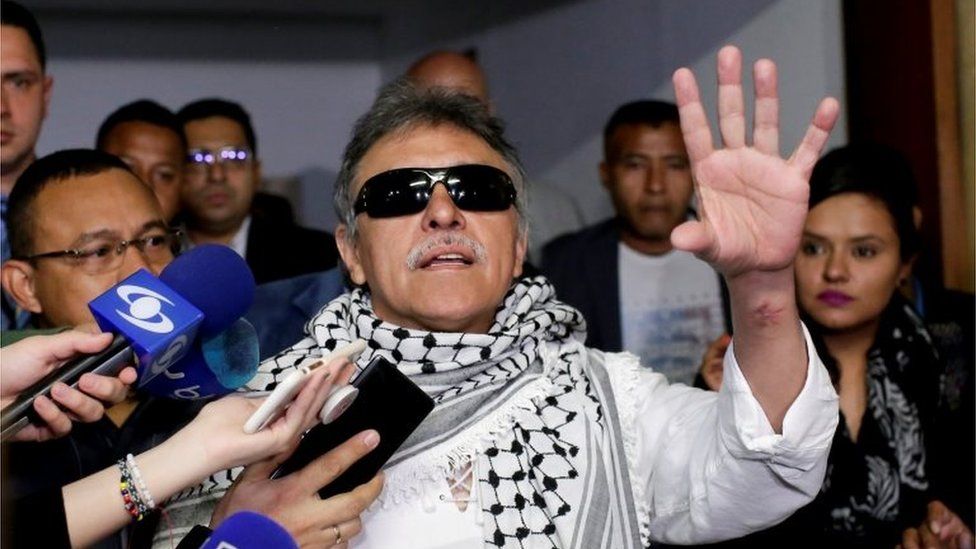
(218, 431)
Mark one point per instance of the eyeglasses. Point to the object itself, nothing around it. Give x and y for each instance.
(406, 191)
(106, 254)
(229, 157)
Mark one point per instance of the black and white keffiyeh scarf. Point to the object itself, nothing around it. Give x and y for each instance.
(519, 401)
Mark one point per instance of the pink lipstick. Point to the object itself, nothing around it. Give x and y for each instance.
(833, 298)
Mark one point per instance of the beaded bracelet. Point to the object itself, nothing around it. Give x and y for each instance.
(140, 483)
(136, 499)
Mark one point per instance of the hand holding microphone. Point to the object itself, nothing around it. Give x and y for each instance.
(30, 359)
(182, 330)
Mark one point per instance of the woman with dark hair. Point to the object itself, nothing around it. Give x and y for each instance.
(888, 472)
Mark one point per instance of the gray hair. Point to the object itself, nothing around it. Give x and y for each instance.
(402, 106)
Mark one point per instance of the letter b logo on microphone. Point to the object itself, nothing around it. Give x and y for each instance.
(157, 321)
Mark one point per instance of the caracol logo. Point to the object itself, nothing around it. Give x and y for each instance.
(145, 311)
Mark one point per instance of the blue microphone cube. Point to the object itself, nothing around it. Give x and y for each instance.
(158, 323)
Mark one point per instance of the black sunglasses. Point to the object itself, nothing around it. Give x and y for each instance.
(406, 191)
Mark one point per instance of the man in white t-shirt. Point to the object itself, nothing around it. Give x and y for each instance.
(638, 293)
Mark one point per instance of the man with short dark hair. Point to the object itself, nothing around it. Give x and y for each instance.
(149, 139)
(636, 291)
(26, 92)
(221, 178)
(80, 222)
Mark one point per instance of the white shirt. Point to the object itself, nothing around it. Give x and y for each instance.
(710, 465)
(670, 310)
(239, 242)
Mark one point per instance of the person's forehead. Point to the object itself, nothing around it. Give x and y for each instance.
(214, 131)
(114, 200)
(138, 134)
(425, 146)
(17, 51)
(851, 214)
(639, 134)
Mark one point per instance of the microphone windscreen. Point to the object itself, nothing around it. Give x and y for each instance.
(233, 354)
(249, 530)
(214, 367)
(215, 280)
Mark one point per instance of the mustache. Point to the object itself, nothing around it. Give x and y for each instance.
(478, 251)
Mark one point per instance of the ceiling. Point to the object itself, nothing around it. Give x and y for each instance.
(291, 30)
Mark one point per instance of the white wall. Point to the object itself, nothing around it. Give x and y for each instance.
(302, 112)
(557, 76)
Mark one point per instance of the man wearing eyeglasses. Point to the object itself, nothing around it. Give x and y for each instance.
(80, 221)
(222, 174)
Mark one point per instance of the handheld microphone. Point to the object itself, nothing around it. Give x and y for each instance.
(154, 324)
(226, 354)
(249, 530)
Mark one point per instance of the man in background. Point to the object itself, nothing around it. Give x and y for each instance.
(26, 92)
(221, 179)
(149, 139)
(636, 292)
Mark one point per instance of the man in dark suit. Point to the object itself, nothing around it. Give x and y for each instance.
(219, 188)
(636, 292)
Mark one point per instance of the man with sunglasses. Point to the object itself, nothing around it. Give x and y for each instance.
(536, 440)
(221, 178)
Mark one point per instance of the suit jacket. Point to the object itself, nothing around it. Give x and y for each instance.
(278, 249)
(282, 308)
(584, 268)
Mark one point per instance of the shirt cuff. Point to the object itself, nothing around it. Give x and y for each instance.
(808, 427)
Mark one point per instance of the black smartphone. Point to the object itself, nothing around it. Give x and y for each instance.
(388, 402)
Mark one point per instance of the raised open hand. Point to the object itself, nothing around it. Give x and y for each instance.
(752, 202)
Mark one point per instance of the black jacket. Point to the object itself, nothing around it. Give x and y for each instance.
(277, 248)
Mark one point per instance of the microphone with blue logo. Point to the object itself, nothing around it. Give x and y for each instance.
(183, 331)
(249, 530)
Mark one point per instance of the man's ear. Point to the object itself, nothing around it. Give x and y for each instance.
(521, 248)
(605, 174)
(350, 255)
(17, 278)
(48, 84)
(256, 170)
(917, 217)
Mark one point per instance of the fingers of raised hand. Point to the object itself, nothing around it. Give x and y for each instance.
(694, 123)
(692, 236)
(328, 467)
(731, 106)
(765, 132)
(809, 149)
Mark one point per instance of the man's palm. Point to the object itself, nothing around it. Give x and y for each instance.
(752, 202)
